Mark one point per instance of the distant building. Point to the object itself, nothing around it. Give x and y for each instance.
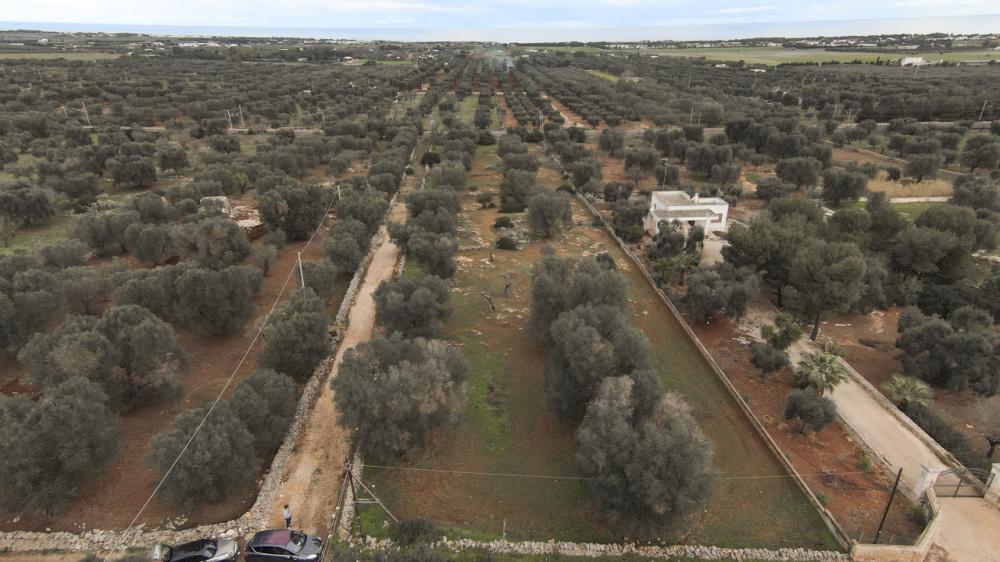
(710, 213)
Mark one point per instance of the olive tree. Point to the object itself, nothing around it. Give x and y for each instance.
(265, 403)
(589, 344)
(647, 465)
(393, 392)
(52, 444)
(549, 213)
(219, 459)
(295, 340)
(412, 307)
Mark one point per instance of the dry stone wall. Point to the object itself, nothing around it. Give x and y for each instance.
(553, 547)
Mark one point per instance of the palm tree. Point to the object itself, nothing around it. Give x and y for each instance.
(822, 371)
(907, 391)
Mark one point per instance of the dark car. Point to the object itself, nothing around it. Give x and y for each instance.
(205, 550)
(284, 544)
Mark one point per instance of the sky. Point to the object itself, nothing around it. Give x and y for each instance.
(575, 18)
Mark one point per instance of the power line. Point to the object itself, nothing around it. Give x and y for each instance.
(720, 476)
(229, 381)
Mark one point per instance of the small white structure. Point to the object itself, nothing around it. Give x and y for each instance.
(914, 61)
(710, 213)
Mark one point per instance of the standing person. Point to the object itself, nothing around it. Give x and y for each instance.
(287, 514)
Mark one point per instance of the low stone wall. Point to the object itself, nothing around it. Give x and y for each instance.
(596, 550)
(248, 523)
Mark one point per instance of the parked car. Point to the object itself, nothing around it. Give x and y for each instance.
(284, 544)
(204, 550)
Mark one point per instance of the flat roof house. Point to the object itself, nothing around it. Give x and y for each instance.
(710, 213)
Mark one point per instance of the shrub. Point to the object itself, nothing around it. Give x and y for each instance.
(812, 410)
(952, 440)
(415, 531)
(506, 243)
(503, 222)
(767, 358)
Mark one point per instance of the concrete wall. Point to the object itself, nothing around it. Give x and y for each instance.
(904, 553)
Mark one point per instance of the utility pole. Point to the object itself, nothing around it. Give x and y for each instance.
(886, 512)
(85, 114)
(243, 123)
(691, 119)
(229, 116)
(301, 275)
(982, 111)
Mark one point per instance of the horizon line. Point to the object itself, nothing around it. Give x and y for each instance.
(302, 32)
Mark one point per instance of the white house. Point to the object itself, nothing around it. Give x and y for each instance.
(710, 213)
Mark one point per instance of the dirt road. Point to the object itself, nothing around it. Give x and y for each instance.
(314, 472)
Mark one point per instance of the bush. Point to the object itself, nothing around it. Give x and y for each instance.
(503, 222)
(953, 441)
(812, 410)
(415, 531)
(506, 243)
(767, 358)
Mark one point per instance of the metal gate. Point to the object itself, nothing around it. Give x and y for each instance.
(962, 483)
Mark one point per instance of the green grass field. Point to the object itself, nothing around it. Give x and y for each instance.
(69, 55)
(605, 75)
(466, 109)
(777, 55)
(513, 442)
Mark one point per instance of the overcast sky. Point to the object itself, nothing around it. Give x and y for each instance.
(466, 14)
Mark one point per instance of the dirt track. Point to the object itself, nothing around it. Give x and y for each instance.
(315, 470)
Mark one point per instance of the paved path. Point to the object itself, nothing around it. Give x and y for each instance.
(969, 529)
(877, 426)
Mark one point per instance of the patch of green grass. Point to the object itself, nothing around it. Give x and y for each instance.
(605, 75)
(913, 210)
(466, 109)
(770, 55)
(31, 238)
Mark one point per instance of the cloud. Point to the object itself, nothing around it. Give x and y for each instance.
(745, 9)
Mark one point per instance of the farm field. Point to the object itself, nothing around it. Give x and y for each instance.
(508, 428)
(112, 500)
(56, 55)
